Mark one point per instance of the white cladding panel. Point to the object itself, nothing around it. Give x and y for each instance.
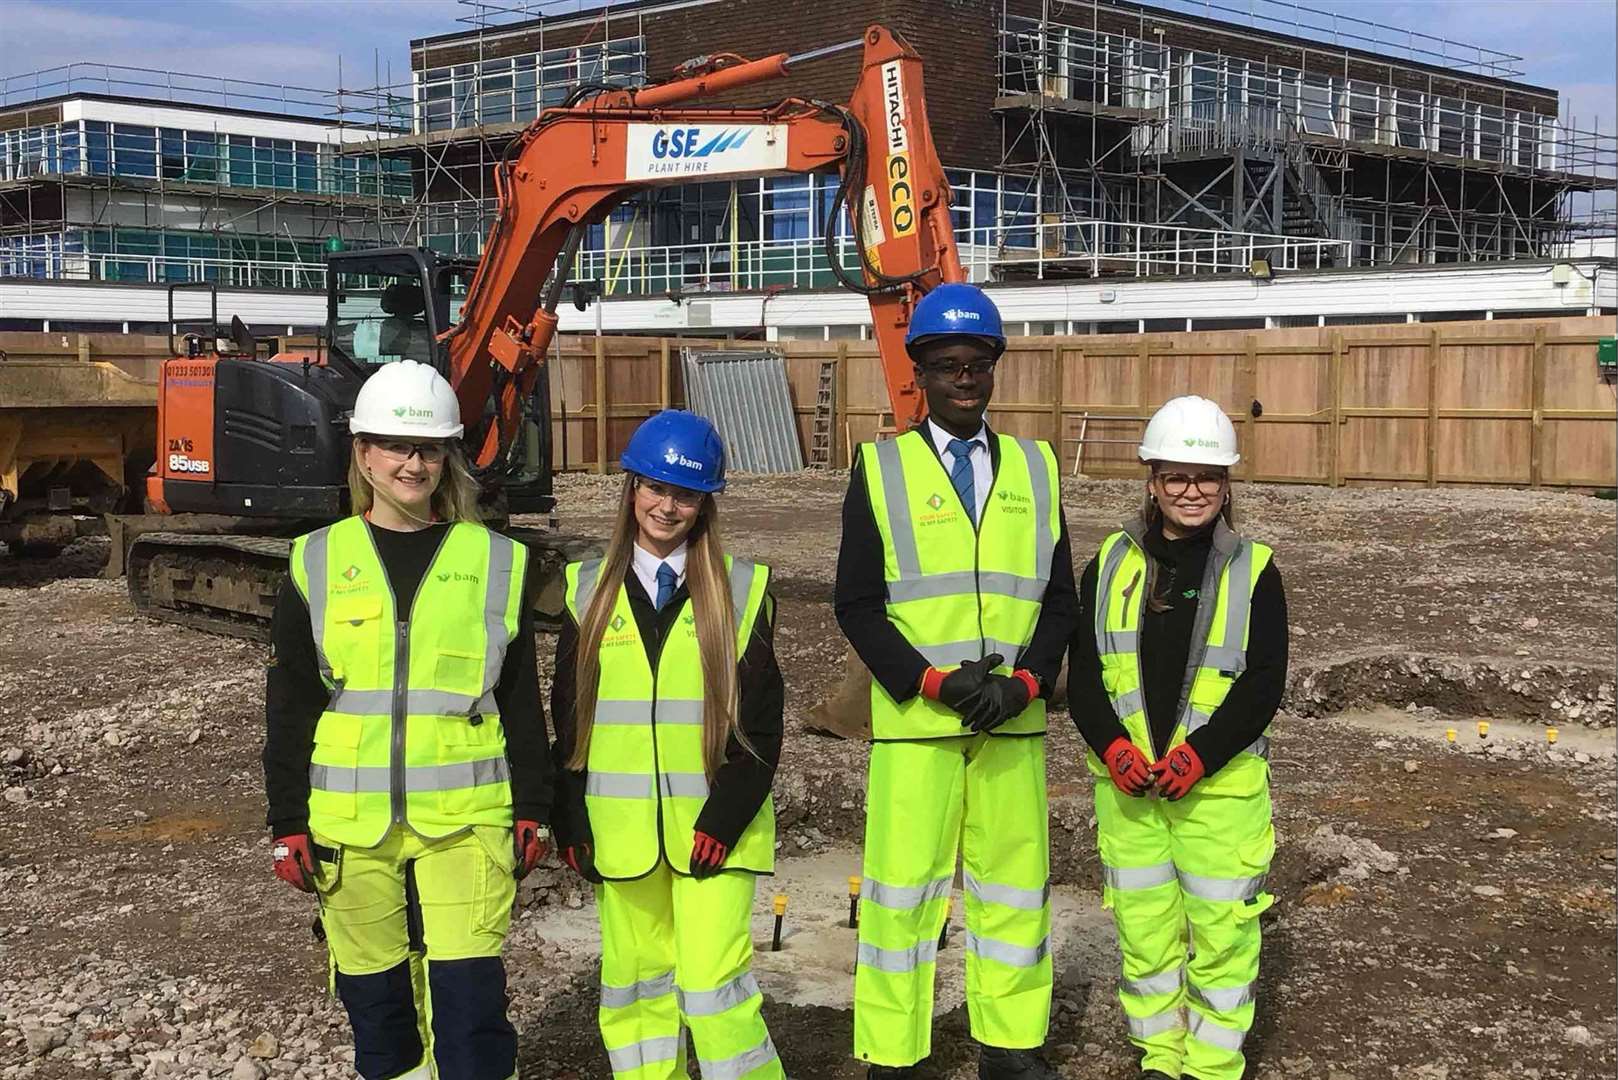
(159, 114)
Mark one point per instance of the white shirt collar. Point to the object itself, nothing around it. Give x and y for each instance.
(646, 564)
(942, 438)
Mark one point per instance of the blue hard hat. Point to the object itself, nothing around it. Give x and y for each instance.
(956, 308)
(679, 448)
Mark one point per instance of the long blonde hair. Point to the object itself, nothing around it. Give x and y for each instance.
(709, 584)
(454, 499)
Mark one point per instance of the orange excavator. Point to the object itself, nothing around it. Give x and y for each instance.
(252, 451)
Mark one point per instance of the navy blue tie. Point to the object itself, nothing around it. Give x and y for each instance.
(961, 476)
(667, 582)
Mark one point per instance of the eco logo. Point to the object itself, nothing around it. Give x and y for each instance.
(351, 573)
(617, 623)
(936, 502)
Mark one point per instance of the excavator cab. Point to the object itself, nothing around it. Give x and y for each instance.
(389, 304)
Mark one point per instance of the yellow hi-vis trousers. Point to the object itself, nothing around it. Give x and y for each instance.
(1185, 882)
(925, 797)
(439, 1014)
(676, 955)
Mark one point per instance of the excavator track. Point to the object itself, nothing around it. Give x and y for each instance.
(227, 584)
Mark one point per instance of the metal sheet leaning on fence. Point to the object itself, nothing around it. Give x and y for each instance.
(667, 741)
(405, 759)
(955, 587)
(1177, 668)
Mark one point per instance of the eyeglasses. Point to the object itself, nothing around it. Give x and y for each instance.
(949, 370)
(401, 451)
(684, 497)
(1177, 484)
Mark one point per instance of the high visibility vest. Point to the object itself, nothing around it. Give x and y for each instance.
(1217, 656)
(956, 592)
(412, 734)
(645, 780)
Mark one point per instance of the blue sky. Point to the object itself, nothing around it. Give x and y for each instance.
(1566, 44)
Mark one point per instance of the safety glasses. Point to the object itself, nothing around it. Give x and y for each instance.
(949, 370)
(655, 492)
(402, 450)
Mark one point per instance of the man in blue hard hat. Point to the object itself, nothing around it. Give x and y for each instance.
(955, 587)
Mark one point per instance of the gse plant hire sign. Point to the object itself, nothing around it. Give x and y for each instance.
(661, 152)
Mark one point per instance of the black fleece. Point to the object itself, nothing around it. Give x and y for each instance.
(1165, 643)
(295, 696)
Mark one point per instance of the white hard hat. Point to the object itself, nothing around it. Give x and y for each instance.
(408, 400)
(1190, 429)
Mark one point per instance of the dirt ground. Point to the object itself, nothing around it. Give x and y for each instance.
(1445, 910)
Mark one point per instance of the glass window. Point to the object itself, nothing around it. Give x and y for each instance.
(171, 148)
(241, 161)
(134, 150)
(202, 156)
(306, 174)
(1491, 132)
(1450, 126)
(381, 317)
(1318, 118)
(1410, 121)
(786, 208)
(70, 149)
(1362, 111)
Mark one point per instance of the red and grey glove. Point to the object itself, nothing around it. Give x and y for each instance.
(707, 855)
(1177, 771)
(581, 859)
(531, 841)
(295, 861)
(1127, 767)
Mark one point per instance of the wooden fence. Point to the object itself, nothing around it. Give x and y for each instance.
(1515, 402)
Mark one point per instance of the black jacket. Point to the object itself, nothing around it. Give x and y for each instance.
(861, 597)
(295, 696)
(1165, 643)
(742, 783)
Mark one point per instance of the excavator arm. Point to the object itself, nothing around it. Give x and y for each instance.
(575, 163)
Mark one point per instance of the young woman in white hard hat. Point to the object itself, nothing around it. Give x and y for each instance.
(667, 704)
(1175, 672)
(406, 765)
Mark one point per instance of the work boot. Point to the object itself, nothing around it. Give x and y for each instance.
(890, 1072)
(1153, 1074)
(998, 1063)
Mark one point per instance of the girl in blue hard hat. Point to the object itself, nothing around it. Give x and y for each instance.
(667, 704)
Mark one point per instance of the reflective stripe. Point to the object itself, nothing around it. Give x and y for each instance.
(315, 569)
(1137, 877)
(417, 703)
(967, 583)
(1212, 888)
(903, 897)
(619, 711)
(1196, 718)
(898, 961)
(1128, 703)
(1109, 642)
(734, 1068)
(951, 653)
(502, 561)
(686, 785)
(895, 495)
(741, 583)
(1044, 538)
(1165, 982)
(1005, 952)
(1226, 999)
(618, 785)
(618, 997)
(589, 570)
(644, 1053)
(713, 1002)
(371, 779)
(1260, 747)
(1145, 1027)
(1205, 1030)
(1232, 652)
(1007, 895)
(679, 710)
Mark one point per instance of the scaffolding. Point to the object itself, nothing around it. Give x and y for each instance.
(1126, 113)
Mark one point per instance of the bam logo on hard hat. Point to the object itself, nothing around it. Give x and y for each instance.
(1206, 444)
(961, 314)
(410, 412)
(674, 457)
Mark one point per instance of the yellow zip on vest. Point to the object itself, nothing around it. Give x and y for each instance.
(958, 592)
(412, 734)
(645, 780)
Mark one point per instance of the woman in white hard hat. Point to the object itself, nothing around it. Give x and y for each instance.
(1176, 671)
(668, 704)
(406, 765)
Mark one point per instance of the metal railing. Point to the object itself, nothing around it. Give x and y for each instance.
(161, 269)
(1141, 250)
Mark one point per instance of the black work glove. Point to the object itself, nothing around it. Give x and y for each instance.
(581, 858)
(999, 699)
(958, 688)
